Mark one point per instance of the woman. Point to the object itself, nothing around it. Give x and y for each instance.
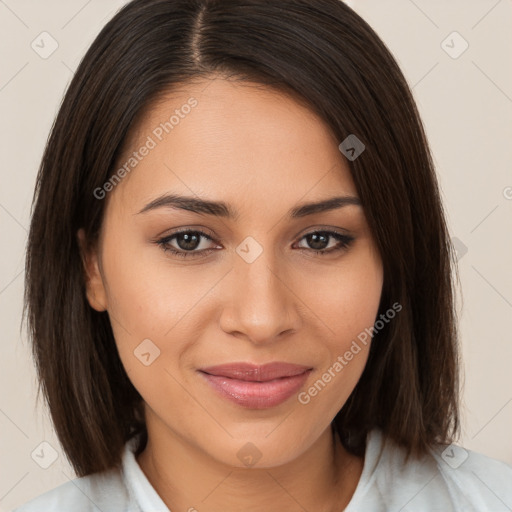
(239, 276)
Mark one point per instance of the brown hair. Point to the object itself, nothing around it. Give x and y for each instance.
(327, 56)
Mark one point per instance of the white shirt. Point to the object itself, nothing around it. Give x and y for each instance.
(450, 479)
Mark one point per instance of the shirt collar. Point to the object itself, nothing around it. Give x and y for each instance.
(140, 489)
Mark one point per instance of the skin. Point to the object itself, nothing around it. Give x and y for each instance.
(263, 153)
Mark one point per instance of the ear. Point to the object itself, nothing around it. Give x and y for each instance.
(95, 288)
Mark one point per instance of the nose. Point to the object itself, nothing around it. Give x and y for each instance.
(260, 305)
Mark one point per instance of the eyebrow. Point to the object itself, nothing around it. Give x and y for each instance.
(224, 210)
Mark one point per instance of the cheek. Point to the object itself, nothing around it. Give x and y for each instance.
(347, 302)
(346, 295)
(147, 294)
(156, 313)
(148, 312)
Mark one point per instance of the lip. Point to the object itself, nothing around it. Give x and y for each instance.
(256, 386)
(256, 372)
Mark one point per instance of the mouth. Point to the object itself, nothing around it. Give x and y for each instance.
(256, 386)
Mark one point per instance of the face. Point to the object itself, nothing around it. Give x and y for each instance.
(261, 279)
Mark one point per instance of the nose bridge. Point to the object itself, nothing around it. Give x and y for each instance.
(261, 305)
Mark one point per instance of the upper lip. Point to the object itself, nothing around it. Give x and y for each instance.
(255, 372)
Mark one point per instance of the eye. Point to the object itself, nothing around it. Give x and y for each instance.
(188, 243)
(320, 242)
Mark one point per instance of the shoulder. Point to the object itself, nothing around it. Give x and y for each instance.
(449, 478)
(485, 482)
(99, 491)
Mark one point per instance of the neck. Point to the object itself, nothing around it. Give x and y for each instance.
(323, 478)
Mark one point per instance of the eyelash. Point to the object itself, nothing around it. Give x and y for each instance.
(344, 242)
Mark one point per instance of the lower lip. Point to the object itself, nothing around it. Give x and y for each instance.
(257, 395)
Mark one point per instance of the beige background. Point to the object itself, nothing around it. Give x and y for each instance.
(466, 105)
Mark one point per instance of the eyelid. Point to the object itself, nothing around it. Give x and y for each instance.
(344, 241)
(316, 229)
(208, 233)
(199, 229)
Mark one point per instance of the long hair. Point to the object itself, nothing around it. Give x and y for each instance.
(327, 57)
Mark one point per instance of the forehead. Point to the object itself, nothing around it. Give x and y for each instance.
(237, 141)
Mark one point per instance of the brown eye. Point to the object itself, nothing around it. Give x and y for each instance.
(186, 243)
(319, 241)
